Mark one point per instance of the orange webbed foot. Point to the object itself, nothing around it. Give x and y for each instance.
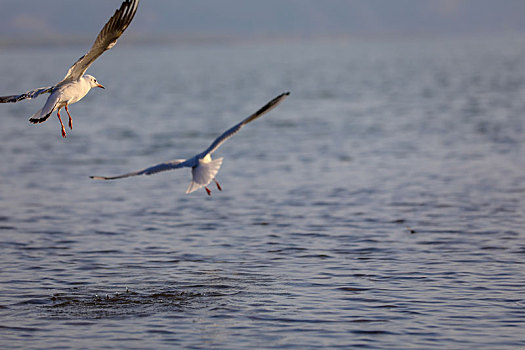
(70, 119)
(61, 124)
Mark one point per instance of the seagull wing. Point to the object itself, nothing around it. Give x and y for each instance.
(232, 131)
(174, 164)
(27, 96)
(106, 39)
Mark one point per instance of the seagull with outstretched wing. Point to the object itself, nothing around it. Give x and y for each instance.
(75, 84)
(203, 168)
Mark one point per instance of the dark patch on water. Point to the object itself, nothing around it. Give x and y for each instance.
(76, 305)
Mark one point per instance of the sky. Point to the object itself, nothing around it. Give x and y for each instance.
(250, 18)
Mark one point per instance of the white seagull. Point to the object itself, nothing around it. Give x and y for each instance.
(75, 84)
(203, 168)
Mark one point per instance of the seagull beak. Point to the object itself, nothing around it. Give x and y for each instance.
(101, 86)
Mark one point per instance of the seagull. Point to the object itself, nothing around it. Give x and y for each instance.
(203, 168)
(75, 84)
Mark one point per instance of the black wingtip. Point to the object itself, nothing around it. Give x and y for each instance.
(40, 120)
(283, 95)
(286, 93)
(267, 107)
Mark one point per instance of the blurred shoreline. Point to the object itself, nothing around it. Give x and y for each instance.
(205, 39)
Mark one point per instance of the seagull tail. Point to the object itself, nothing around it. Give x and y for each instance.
(204, 173)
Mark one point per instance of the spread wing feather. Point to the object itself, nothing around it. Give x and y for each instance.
(106, 39)
(27, 96)
(235, 129)
(174, 164)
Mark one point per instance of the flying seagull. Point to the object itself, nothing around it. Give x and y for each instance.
(75, 84)
(203, 168)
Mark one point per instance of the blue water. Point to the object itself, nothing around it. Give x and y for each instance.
(380, 206)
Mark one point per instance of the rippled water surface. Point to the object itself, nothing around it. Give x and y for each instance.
(381, 205)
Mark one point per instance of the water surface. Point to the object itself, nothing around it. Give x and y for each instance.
(380, 206)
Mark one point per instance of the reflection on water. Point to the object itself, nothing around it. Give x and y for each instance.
(380, 206)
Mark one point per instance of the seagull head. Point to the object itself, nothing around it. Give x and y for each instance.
(93, 82)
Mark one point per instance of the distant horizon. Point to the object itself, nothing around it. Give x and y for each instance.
(203, 38)
(33, 21)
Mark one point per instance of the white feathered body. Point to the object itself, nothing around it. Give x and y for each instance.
(65, 93)
(203, 172)
(72, 92)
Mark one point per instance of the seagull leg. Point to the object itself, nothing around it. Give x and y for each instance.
(207, 190)
(62, 125)
(218, 186)
(70, 120)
